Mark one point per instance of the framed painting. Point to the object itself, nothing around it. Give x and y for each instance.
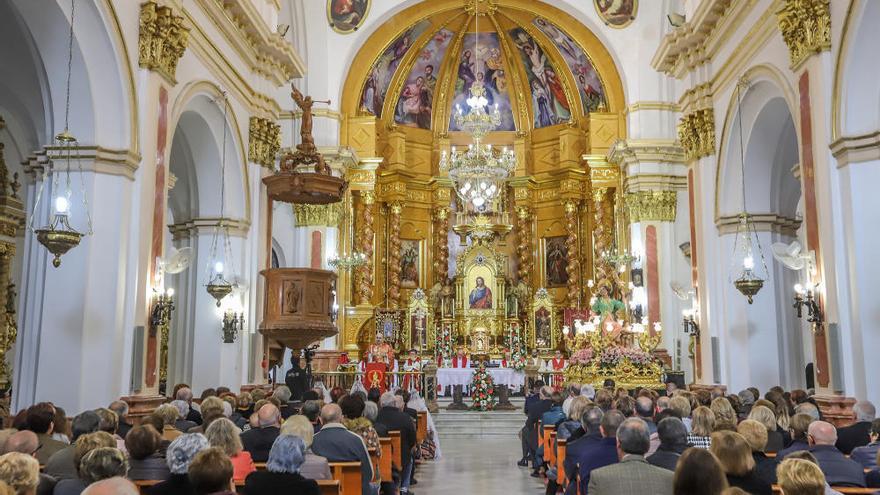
(346, 16)
(556, 261)
(617, 13)
(543, 321)
(411, 257)
(389, 322)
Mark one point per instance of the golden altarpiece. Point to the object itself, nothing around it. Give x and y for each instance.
(564, 204)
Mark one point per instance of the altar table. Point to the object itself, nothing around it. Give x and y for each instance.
(449, 377)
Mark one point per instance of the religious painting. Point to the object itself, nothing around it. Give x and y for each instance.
(588, 82)
(410, 259)
(481, 295)
(543, 328)
(389, 324)
(416, 102)
(556, 261)
(345, 16)
(483, 63)
(382, 71)
(549, 102)
(617, 13)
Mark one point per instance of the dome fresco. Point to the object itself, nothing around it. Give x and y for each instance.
(516, 55)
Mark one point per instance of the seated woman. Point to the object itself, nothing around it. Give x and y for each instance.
(145, 462)
(82, 447)
(314, 467)
(282, 471)
(765, 416)
(21, 472)
(227, 437)
(735, 456)
(702, 425)
(179, 455)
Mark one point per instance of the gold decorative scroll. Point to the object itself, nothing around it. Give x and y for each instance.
(603, 233)
(806, 28)
(571, 245)
(651, 206)
(524, 243)
(395, 210)
(162, 41)
(365, 239)
(328, 215)
(696, 131)
(441, 260)
(264, 141)
(11, 216)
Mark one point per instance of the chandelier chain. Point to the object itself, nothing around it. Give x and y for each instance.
(69, 66)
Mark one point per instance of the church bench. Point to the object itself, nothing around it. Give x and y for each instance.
(386, 459)
(261, 466)
(326, 487)
(422, 427)
(546, 430)
(374, 460)
(550, 449)
(396, 453)
(348, 474)
(560, 461)
(144, 485)
(845, 490)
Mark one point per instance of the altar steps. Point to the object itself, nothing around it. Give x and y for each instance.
(470, 424)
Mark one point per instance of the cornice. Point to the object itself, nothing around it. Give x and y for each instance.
(91, 158)
(658, 106)
(197, 226)
(854, 149)
(684, 46)
(764, 222)
(633, 151)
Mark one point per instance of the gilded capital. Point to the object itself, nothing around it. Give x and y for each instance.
(441, 213)
(162, 40)
(696, 132)
(396, 208)
(570, 206)
(522, 212)
(368, 197)
(806, 28)
(599, 194)
(264, 141)
(646, 206)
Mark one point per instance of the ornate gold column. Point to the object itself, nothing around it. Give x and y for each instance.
(11, 216)
(441, 258)
(603, 233)
(365, 241)
(394, 209)
(524, 243)
(571, 245)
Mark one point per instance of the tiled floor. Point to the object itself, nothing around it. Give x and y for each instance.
(476, 466)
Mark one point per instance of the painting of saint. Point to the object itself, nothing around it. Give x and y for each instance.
(617, 13)
(543, 330)
(416, 100)
(550, 104)
(556, 261)
(409, 263)
(589, 85)
(481, 295)
(345, 16)
(382, 71)
(490, 71)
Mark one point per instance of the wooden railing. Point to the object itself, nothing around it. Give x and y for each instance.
(346, 379)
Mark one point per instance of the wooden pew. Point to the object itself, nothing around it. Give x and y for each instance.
(374, 460)
(349, 476)
(396, 453)
(560, 461)
(422, 427)
(548, 430)
(326, 487)
(386, 459)
(550, 449)
(144, 485)
(261, 466)
(846, 490)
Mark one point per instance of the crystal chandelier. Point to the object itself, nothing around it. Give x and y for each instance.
(480, 171)
(746, 244)
(347, 261)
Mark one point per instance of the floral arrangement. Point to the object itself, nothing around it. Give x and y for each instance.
(518, 355)
(582, 356)
(483, 389)
(613, 356)
(443, 346)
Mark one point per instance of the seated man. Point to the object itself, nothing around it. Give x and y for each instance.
(393, 418)
(183, 408)
(856, 434)
(798, 426)
(41, 420)
(590, 421)
(632, 474)
(673, 441)
(867, 454)
(338, 444)
(61, 465)
(839, 471)
(529, 433)
(26, 442)
(603, 452)
(258, 441)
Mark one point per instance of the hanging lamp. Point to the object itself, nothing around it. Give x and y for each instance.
(218, 286)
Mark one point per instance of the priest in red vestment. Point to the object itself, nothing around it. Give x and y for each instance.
(558, 363)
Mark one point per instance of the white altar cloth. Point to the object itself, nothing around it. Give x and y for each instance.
(448, 377)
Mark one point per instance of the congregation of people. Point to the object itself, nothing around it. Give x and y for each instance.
(256, 442)
(611, 441)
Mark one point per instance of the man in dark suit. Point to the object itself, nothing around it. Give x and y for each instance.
(603, 452)
(673, 441)
(337, 444)
(857, 434)
(121, 409)
(529, 433)
(839, 471)
(392, 417)
(282, 393)
(258, 441)
(185, 394)
(531, 400)
(632, 474)
(590, 421)
(295, 379)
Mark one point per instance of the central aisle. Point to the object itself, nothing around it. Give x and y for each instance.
(475, 465)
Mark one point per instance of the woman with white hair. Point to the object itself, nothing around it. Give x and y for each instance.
(179, 455)
(430, 448)
(282, 474)
(227, 437)
(314, 467)
(21, 472)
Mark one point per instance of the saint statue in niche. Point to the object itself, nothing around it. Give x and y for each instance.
(291, 298)
(481, 295)
(543, 331)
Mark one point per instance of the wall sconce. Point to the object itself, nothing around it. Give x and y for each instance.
(690, 323)
(806, 297)
(163, 305)
(233, 324)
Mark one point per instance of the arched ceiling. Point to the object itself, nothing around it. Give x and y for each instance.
(538, 65)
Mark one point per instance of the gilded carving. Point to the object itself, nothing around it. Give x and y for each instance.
(162, 41)
(264, 141)
(524, 243)
(571, 245)
(394, 256)
(806, 28)
(11, 216)
(364, 273)
(328, 215)
(696, 132)
(441, 260)
(648, 206)
(603, 233)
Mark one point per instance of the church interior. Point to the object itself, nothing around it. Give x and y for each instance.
(529, 231)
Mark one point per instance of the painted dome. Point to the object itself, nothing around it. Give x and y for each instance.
(536, 73)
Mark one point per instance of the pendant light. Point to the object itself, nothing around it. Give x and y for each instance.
(746, 245)
(220, 253)
(59, 237)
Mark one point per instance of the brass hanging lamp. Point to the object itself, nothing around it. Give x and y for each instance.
(218, 286)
